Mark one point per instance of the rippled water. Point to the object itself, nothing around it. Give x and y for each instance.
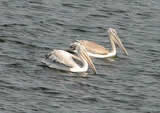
(29, 29)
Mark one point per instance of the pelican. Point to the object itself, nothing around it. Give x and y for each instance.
(63, 60)
(98, 51)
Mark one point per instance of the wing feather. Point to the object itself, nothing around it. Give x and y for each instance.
(59, 59)
(94, 47)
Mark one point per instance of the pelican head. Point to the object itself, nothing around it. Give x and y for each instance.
(113, 35)
(82, 52)
(72, 47)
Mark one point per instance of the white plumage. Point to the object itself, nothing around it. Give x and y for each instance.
(98, 51)
(64, 60)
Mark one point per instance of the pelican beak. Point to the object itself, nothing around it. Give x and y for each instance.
(89, 60)
(117, 40)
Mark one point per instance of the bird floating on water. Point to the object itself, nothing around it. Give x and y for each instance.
(98, 51)
(66, 61)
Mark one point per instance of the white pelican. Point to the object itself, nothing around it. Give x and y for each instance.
(98, 51)
(64, 60)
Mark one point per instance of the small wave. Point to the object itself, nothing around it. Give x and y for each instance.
(12, 25)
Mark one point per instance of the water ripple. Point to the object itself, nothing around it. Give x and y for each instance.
(30, 29)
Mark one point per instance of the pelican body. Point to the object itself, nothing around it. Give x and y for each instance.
(66, 61)
(98, 51)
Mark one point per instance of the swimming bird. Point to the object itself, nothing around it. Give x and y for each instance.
(98, 51)
(63, 60)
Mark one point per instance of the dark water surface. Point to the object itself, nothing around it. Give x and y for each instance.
(29, 29)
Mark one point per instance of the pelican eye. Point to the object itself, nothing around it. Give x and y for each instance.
(73, 46)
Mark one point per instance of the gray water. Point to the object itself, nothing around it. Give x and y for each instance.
(29, 29)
